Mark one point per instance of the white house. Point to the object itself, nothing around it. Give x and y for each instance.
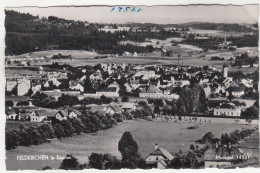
(76, 85)
(108, 92)
(38, 115)
(53, 80)
(10, 84)
(153, 92)
(63, 114)
(96, 76)
(228, 109)
(128, 107)
(36, 86)
(23, 86)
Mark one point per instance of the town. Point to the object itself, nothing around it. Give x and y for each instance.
(187, 93)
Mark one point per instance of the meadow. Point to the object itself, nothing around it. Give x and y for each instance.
(173, 136)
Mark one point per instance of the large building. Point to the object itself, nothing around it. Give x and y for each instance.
(153, 92)
(228, 109)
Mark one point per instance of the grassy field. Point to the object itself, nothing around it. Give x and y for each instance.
(173, 136)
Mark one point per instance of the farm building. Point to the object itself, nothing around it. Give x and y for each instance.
(159, 158)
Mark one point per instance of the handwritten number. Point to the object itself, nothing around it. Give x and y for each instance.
(120, 8)
(127, 8)
(133, 9)
(112, 9)
(139, 9)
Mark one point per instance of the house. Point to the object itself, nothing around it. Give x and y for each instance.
(150, 92)
(53, 93)
(76, 85)
(11, 84)
(52, 80)
(128, 87)
(63, 114)
(73, 113)
(221, 155)
(36, 86)
(228, 109)
(114, 84)
(247, 83)
(108, 92)
(38, 116)
(12, 115)
(159, 158)
(113, 108)
(153, 92)
(128, 107)
(97, 76)
(237, 92)
(23, 86)
(99, 108)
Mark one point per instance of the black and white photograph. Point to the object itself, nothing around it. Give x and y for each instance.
(131, 87)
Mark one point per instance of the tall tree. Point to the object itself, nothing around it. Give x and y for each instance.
(128, 148)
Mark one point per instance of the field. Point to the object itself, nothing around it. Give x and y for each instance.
(151, 60)
(216, 33)
(49, 53)
(173, 136)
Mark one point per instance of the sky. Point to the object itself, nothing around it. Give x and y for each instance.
(152, 14)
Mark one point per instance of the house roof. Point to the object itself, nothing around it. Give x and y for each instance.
(64, 112)
(128, 105)
(227, 106)
(151, 89)
(163, 152)
(75, 83)
(109, 89)
(41, 112)
(116, 108)
(98, 108)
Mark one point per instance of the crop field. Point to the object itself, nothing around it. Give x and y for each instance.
(173, 136)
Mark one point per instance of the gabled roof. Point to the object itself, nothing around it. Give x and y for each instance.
(128, 105)
(98, 108)
(64, 112)
(151, 89)
(162, 152)
(116, 108)
(41, 112)
(75, 83)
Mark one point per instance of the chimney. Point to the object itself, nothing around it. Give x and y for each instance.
(156, 146)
